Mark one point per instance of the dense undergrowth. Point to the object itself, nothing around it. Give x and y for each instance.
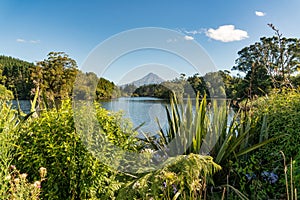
(244, 160)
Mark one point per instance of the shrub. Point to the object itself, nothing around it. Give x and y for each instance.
(282, 113)
(8, 127)
(73, 172)
(183, 177)
(5, 93)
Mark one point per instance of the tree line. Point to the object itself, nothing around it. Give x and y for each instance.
(271, 63)
(53, 79)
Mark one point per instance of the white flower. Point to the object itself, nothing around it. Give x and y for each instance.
(23, 176)
(37, 184)
(136, 185)
(8, 177)
(150, 151)
(17, 181)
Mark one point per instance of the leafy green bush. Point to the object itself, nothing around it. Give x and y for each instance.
(283, 116)
(13, 184)
(51, 141)
(183, 177)
(8, 128)
(282, 113)
(5, 94)
(207, 131)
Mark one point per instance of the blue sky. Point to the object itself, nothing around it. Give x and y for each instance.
(31, 29)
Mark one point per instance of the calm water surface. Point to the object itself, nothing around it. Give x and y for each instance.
(138, 109)
(144, 110)
(24, 105)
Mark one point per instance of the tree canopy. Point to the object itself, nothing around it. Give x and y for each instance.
(55, 75)
(15, 76)
(269, 63)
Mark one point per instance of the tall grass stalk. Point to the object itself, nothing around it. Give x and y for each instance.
(293, 191)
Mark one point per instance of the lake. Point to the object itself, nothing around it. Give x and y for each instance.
(144, 110)
(24, 105)
(138, 109)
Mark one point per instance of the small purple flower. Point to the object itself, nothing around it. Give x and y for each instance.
(174, 188)
(164, 184)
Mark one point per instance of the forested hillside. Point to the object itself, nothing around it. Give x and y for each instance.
(15, 76)
(52, 78)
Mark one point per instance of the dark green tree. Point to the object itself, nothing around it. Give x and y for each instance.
(2, 78)
(128, 89)
(85, 86)
(106, 89)
(15, 75)
(54, 77)
(268, 63)
(232, 85)
(197, 83)
(215, 85)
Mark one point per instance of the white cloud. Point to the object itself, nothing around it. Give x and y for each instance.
(34, 41)
(260, 14)
(193, 32)
(226, 33)
(187, 37)
(171, 40)
(20, 40)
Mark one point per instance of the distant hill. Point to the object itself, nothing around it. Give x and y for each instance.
(15, 76)
(150, 78)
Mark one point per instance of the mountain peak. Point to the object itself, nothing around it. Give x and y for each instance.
(150, 78)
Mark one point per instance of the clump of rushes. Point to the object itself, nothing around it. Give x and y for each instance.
(20, 188)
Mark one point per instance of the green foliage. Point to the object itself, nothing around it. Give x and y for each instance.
(283, 115)
(128, 89)
(15, 75)
(197, 83)
(296, 173)
(8, 135)
(5, 94)
(210, 84)
(186, 130)
(106, 89)
(153, 90)
(21, 189)
(206, 131)
(257, 172)
(296, 80)
(54, 77)
(88, 86)
(268, 63)
(215, 85)
(182, 177)
(73, 172)
(85, 86)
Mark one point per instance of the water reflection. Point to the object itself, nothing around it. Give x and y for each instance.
(140, 110)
